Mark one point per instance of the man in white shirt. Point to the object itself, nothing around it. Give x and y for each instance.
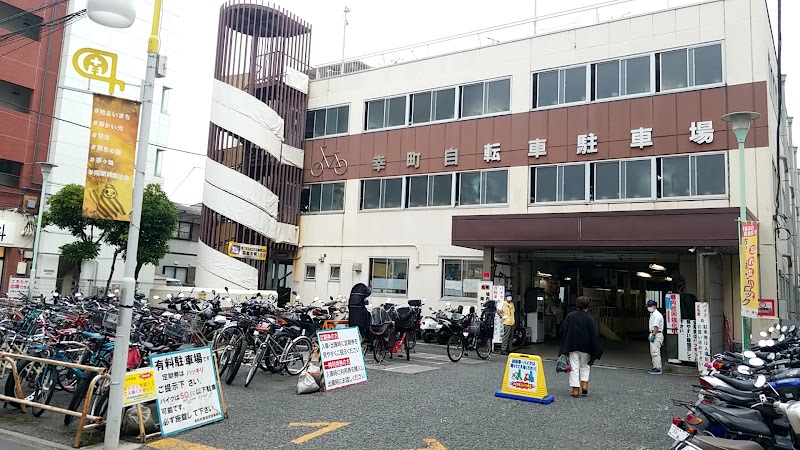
(656, 336)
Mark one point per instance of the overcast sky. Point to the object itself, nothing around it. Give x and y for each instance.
(374, 27)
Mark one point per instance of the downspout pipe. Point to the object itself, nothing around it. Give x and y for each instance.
(43, 93)
(702, 285)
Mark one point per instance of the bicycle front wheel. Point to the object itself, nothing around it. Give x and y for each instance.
(297, 355)
(254, 365)
(484, 348)
(455, 348)
(45, 386)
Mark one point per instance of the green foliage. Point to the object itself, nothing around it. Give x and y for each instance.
(159, 221)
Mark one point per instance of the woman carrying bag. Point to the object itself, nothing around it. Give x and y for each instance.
(581, 343)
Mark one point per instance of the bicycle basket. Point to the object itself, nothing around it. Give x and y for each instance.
(176, 330)
(475, 326)
(110, 320)
(197, 323)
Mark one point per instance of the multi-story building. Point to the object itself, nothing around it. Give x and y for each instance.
(181, 261)
(69, 140)
(591, 160)
(30, 52)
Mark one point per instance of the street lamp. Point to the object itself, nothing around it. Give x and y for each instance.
(46, 169)
(121, 14)
(740, 124)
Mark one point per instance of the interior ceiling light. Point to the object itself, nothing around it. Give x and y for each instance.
(667, 278)
(567, 279)
(543, 275)
(643, 275)
(658, 267)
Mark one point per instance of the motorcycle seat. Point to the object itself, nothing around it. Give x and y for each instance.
(733, 391)
(713, 443)
(742, 385)
(747, 421)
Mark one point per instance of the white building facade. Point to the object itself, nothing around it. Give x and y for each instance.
(69, 144)
(536, 156)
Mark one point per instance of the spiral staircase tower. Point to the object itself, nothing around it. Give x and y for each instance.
(253, 178)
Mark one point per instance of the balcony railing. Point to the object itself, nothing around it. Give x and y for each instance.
(539, 24)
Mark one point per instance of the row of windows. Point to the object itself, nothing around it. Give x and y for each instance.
(672, 177)
(640, 75)
(460, 277)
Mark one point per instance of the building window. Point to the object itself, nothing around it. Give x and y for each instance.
(183, 231)
(561, 183)
(159, 161)
(461, 277)
(689, 67)
(629, 179)
(336, 273)
(388, 275)
(433, 106)
(15, 20)
(693, 175)
(10, 173)
(311, 272)
(382, 193)
(430, 190)
(322, 197)
(484, 187)
(331, 121)
(621, 77)
(487, 97)
(15, 97)
(386, 113)
(560, 86)
(179, 273)
(165, 94)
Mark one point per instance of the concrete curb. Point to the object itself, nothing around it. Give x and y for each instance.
(48, 445)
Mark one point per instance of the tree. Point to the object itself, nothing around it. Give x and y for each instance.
(66, 212)
(159, 220)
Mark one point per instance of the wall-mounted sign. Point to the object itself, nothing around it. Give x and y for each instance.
(766, 307)
(237, 250)
(8, 230)
(339, 165)
(98, 65)
(108, 191)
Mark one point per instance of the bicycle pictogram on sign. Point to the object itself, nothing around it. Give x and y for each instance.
(339, 165)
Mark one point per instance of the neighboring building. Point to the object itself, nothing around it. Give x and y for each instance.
(69, 141)
(181, 261)
(569, 161)
(251, 195)
(29, 63)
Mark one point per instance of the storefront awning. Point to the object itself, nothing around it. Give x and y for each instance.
(684, 228)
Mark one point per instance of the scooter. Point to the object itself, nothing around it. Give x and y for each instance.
(429, 327)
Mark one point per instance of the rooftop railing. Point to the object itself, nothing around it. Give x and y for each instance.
(538, 25)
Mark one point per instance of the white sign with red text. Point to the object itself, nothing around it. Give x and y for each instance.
(341, 357)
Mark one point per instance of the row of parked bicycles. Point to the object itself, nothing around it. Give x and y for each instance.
(746, 401)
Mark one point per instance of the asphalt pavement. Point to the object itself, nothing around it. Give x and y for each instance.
(427, 403)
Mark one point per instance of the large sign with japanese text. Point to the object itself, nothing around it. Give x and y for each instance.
(673, 313)
(187, 390)
(749, 274)
(108, 191)
(140, 386)
(239, 250)
(341, 357)
(702, 327)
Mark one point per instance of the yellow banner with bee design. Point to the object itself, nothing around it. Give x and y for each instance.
(108, 192)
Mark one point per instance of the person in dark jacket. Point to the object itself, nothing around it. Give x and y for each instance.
(580, 341)
(358, 316)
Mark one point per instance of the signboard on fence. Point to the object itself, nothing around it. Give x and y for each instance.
(766, 308)
(342, 358)
(702, 340)
(187, 386)
(140, 386)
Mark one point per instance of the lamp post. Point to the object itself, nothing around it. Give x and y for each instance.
(46, 169)
(740, 124)
(122, 14)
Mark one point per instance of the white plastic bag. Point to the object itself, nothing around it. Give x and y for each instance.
(306, 384)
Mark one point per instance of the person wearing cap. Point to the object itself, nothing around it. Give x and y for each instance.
(656, 336)
(507, 315)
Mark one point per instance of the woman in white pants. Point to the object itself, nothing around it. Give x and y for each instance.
(581, 342)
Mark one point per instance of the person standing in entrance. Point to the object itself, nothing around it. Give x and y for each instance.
(581, 342)
(508, 316)
(656, 336)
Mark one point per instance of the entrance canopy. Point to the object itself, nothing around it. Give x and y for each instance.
(668, 229)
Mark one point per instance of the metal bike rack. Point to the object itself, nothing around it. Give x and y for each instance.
(83, 416)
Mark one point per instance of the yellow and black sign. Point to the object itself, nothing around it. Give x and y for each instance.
(237, 250)
(108, 192)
